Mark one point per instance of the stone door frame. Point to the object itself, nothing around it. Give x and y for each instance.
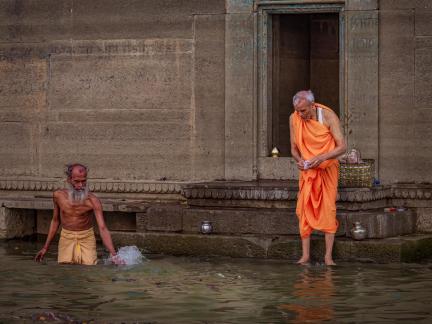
(284, 167)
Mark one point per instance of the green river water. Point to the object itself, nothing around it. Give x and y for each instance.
(168, 289)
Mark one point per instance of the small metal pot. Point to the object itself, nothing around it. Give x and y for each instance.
(358, 232)
(206, 227)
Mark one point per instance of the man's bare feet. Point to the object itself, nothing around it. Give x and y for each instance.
(329, 262)
(303, 260)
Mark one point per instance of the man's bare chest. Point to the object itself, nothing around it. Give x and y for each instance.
(69, 209)
(78, 211)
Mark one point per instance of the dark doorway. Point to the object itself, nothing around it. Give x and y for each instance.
(305, 56)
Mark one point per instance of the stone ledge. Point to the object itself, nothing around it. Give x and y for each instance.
(94, 185)
(180, 244)
(109, 205)
(413, 248)
(412, 191)
(251, 191)
(273, 191)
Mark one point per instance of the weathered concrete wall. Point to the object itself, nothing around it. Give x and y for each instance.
(405, 91)
(240, 153)
(128, 88)
(419, 198)
(208, 120)
(167, 91)
(22, 98)
(361, 84)
(424, 220)
(16, 223)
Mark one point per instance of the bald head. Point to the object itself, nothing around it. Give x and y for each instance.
(76, 169)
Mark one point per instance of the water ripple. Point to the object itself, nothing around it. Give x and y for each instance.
(196, 290)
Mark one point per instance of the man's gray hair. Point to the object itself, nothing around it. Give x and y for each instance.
(70, 167)
(307, 94)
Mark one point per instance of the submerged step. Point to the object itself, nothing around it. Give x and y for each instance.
(409, 248)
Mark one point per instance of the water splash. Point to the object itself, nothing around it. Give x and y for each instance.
(129, 255)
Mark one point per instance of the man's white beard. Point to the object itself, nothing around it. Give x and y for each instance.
(77, 196)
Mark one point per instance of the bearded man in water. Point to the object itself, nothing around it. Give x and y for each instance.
(74, 208)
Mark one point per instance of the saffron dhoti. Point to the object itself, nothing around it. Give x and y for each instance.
(78, 247)
(316, 204)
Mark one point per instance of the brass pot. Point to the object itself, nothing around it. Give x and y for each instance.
(275, 152)
(358, 232)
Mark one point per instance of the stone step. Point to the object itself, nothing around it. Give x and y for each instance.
(240, 221)
(380, 224)
(410, 248)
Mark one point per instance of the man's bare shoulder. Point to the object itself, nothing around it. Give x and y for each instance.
(330, 116)
(60, 193)
(94, 199)
(330, 113)
(91, 195)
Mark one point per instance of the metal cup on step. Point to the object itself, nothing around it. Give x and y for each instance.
(358, 232)
(206, 227)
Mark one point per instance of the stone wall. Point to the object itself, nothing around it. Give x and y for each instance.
(16, 223)
(361, 81)
(169, 91)
(129, 88)
(405, 75)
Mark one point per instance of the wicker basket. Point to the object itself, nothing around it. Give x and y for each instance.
(357, 175)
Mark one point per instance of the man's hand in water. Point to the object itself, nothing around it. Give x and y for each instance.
(117, 260)
(40, 255)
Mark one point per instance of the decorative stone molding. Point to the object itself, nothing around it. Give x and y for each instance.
(286, 191)
(412, 191)
(289, 192)
(136, 187)
(239, 193)
(363, 194)
(29, 185)
(97, 186)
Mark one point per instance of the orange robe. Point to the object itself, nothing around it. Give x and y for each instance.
(316, 204)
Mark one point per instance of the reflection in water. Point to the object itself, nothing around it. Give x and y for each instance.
(313, 292)
(214, 290)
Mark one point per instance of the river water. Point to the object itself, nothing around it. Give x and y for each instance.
(167, 289)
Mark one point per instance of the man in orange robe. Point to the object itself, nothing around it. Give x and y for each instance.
(316, 141)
